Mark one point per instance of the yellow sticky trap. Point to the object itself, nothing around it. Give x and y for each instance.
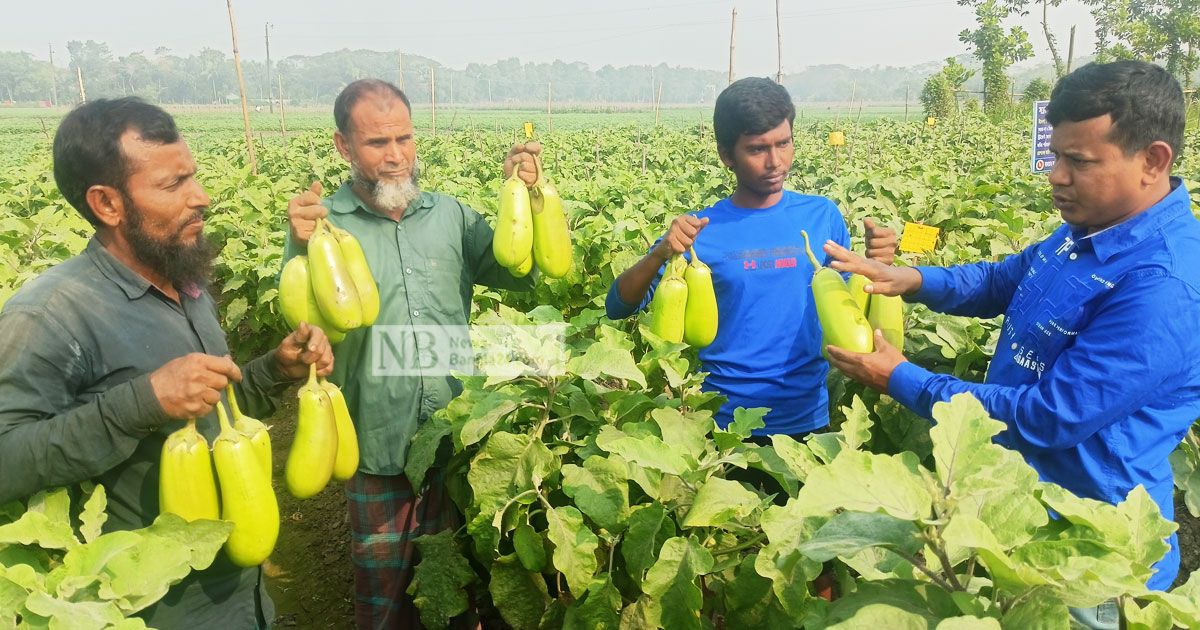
(918, 238)
(529, 131)
(931, 121)
(837, 139)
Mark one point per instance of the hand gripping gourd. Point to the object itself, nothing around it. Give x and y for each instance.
(842, 322)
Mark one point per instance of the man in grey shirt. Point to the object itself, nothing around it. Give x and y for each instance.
(102, 355)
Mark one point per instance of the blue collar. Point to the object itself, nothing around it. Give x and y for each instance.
(1122, 236)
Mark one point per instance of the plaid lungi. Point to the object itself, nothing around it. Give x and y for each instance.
(385, 516)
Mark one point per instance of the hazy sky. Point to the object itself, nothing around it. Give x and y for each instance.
(617, 32)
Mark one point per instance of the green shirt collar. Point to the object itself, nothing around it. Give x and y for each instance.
(134, 285)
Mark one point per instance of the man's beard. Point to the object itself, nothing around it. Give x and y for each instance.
(389, 196)
(181, 265)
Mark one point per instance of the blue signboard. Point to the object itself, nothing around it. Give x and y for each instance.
(1041, 159)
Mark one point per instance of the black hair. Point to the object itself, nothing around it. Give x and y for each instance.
(351, 94)
(1144, 100)
(753, 105)
(87, 145)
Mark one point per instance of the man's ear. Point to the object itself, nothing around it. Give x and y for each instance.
(1157, 164)
(343, 145)
(725, 155)
(107, 205)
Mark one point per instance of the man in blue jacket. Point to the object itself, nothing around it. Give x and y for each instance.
(1097, 370)
(767, 352)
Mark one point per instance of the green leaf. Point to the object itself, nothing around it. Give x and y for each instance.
(530, 550)
(203, 538)
(825, 446)
(720, 501)
(798, 458)
(93, 517)
(882, 616)
(35, 528)
(643, 614)
(484, 416)
(507, 466)
(1134, 528)
(1183, 602)
(439, 582)
(649, 526)
(598, 610)
(574, 547)
(600, 489)
(672, 581)
(960, 439)
(745, 421)
(856, 429)
(647, 451)
(866, 482)
(604, 358)
(968, 623)
(422, 450)
(519, 596)
(688, 434)
(1039, 609)
(766, 459)
(750, 602)
(849, 533)
(74, 615)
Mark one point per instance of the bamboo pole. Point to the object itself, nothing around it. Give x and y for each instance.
(732, 31)
(237, 64)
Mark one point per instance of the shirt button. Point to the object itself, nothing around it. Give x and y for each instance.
(1074, 256)
(408, 270)
(416, 313)
(1014, 346)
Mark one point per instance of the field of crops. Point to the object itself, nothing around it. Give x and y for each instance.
(578, 512)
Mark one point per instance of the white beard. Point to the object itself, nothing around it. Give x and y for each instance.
(390, 196)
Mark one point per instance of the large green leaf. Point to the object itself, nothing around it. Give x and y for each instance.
(672, 581)
(720, 501)
(422, 452)
(603, 358)
(649, 527)
(598, 610)
(518, 594)
(574, 547)
(866, 482)
(507, 466)
(647, 451)
(849, 533)
(600, 489)
(686, 433)
(439, 582)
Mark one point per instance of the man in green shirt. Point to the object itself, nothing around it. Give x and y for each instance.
(102, 356)
(426, 252)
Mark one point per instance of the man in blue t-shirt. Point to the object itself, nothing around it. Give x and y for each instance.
(767, 352)
(1097, 369)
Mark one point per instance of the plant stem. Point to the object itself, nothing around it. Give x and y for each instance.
(921, 566)
(742, 547)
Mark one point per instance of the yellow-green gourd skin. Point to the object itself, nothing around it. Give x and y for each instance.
(700, 317)
(337, 297)
(360, 274)
(842, 322)
(298, 302)
(345, 463)
(512, 241)
(186, 486)
(314, 448)
(886, 313)
(551, 237)
(668, 307)
(858, 291)
(523, 269)
(247, 499)
(254, 430)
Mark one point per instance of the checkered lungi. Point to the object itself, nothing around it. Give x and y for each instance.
(385, 517)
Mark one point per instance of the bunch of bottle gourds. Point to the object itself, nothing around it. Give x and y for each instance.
(332, 288)
(531, 227)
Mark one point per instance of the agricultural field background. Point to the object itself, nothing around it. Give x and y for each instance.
(624, 176)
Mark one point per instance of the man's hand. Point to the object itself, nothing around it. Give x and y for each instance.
(885, 279)
(305, 346)
(303, 211)
(523, 156)
(679, 237)
(190, 386)
(881, 242)
(872, 369)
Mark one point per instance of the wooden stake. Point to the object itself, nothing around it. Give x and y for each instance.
(732, 31)
(779, 44)
(433, 97)
(549, 107)
(79, 78)
(237, 64)
(282, 112)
